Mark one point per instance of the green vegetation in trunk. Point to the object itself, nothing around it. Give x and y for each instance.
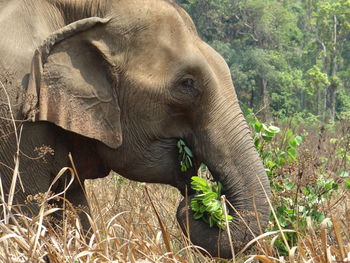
(185, 156)
(206, 202)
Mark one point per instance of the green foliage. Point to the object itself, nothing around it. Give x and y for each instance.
(185, 156)
(206, 202)
(346, 177)
(316, 80)
(283, 55)
(263, 136)
(342, 153)
(343, 105)
(293, 203)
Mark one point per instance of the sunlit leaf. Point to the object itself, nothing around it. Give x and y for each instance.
(298, 140)
(344, 174)
(347, 183)
(257, 126)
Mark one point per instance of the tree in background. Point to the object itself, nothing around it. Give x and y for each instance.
(329, 25)
(286, 57)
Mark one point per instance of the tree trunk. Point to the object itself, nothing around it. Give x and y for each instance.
(252, 98)
(329, 115)
(264, 100)
(330, 102)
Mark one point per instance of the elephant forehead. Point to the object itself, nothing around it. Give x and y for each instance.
(151, 23)
(162, 49)
(160, 37)
(144, 12)
(160, 65)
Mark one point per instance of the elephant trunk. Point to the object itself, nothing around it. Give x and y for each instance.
(232, 159)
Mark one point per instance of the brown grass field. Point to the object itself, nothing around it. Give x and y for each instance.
(135, 222)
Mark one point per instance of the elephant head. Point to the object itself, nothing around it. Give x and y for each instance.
(138, 78)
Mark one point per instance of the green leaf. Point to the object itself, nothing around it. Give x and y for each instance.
(344, 174)
(188, 162)
(289, 185)
(274, 129)
(199, 181)
(267, 138)
(256, 142)
(295, 142)
(206, 202)
(195, 206)
(347, 183)
(178, 144)
(181, 143)
(289, 211)
(197, 215)
(188, 151)
(318, 216)
(265, 127)
(292, 142)
(298, 140)
(281, 161)
(257, 126)
(289, 133)
(214, 206)
(185, 156)
(292, 152)
(219, 189)
(333, 140)
(271, 164)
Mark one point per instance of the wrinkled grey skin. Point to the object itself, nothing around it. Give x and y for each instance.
(116, 83)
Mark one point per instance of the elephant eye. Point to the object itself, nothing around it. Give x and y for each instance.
(188, 83)
(188, 87)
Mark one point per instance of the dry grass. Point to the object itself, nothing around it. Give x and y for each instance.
(127, 228)
(130, 222)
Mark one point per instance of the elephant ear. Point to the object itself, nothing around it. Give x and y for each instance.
(72, 84)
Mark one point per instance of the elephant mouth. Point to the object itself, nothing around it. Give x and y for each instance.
(184, 172)
(186, 189)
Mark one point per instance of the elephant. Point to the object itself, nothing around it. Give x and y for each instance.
(117, 84)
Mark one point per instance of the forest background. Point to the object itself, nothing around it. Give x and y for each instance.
(288, 58)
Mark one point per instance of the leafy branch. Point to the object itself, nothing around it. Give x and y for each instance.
(206, 202)
(185, 156)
